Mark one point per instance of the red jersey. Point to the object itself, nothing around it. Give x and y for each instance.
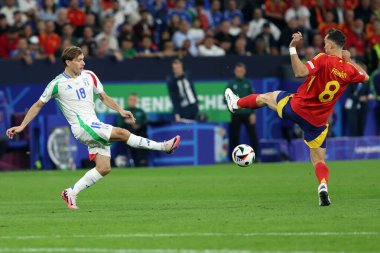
(328, 77)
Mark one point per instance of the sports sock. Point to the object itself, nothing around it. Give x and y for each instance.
(143, 143)
(90, 178)
(248, 102)
(322, 172)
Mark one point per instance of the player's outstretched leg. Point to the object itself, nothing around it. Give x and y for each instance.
(135, 141)
(253, 101)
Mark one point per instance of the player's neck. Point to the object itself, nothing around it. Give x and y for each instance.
(70, 73)
(337, 53)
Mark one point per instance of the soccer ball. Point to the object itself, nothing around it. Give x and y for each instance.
(243, 155)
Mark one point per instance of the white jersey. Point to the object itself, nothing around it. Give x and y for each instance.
(75, 96)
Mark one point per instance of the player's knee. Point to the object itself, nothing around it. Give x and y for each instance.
(123, 133)
(104, 169)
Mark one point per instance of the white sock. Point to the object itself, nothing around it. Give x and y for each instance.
(91, 177)
(143, 143)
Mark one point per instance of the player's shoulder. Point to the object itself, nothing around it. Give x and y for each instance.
(56, 79)
(320, 56)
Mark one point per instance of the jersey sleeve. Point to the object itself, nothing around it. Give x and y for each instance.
(98, 86)
(316, 63)
(357, 76)
(49, 92)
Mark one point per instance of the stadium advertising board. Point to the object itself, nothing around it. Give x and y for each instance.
(154, 98)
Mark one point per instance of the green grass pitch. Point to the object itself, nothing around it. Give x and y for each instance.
(205, 209)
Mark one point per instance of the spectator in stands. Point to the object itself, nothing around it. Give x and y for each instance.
(203, 15)
(349, 20)
(74, 14)
(241, 47)
(147, 48)
(22, 52)
(318, 14)
(168, 50)
(286, 35)
(235, 29)
(3, 24)
(216, 15)
(50, 41)
(224, 37)
(256, 26)
(174, 23)
(145, 23)
(19, 20)
(324, 27)
(88, 40)
(338, 12)
(180, 11)
(8, 42)
(196, 34)
(232, 11)
(310, 52)
(28, 6)
(270, 44)
(27, 31)
(68, 34)
(10, 6)
(106, 52)
(131, 11)
(275, 12)
(300, 13)
(356, 37)
(48, 11)
(247, 117)
(117, 13)
(90, 6)
(356, 107)
(181, 36)
(182, 93)
(364, 11)
(375, 86)
(139, 156)
(61, 20)
(127, 49)
(107, 34)
(208, 48)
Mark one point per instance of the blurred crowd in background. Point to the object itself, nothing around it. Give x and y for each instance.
(125, 29)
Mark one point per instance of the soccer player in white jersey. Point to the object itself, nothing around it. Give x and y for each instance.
(73, 91)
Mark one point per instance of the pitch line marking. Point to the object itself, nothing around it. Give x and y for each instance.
(290, 234)
(105, 250)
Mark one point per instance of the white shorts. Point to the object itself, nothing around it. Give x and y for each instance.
(95, 135)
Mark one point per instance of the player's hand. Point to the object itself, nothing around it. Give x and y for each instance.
(346, 55)
(296, 38)
(14, 130)
(128, 115)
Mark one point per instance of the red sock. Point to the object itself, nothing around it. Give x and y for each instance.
(249, 101)
(322, 172)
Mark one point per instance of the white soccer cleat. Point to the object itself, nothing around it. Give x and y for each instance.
(70, 198)
(172, 144)
(231, 100)
(324, 199)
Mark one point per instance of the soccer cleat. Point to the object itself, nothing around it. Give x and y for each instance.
(171, 145)
(231, 100)
(324, 199)
(70, 197)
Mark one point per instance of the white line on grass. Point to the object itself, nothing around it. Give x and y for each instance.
(105, 250)
(290, 234)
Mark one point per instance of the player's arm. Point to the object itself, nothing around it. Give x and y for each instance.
(346, 55)
(299, 68)
(109, 102)
(30, 115)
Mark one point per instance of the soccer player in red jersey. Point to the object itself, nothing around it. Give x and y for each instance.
(327, 76)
